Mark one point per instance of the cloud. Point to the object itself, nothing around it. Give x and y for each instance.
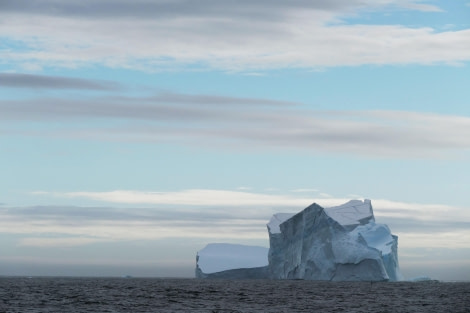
(212, 199)
(56, 242)
(214, 121)
(213, 215)
(228, 35)
(162, 107)
(306, 190)
(170, 9)
(420, 7)
(414, 224)
(15, 80)
(210, 100)
(197, 197)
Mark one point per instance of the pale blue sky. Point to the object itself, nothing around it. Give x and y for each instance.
(132, 133)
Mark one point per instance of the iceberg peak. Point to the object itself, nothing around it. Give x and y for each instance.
(352, 213)
(276, 220)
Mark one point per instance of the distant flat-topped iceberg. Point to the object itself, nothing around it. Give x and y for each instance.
(219, 260)
(341, 243)
(217, 257)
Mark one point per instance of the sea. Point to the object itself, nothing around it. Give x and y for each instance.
(71, 294)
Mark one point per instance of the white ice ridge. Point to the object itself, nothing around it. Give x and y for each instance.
(217, 257)
(377, 236)
(354, 212)
(276, 220)
(349, 213)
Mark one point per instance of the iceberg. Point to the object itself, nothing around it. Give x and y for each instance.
(224, 260)
(342, 243)
(420, 279)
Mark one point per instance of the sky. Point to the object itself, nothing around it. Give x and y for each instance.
(133, 133)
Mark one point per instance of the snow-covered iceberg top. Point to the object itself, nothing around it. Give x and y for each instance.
(354, 212)
(217, 257)
(276, 220)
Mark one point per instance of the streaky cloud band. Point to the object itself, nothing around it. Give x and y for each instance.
(214, 121)
(251, 35)
(34, 81)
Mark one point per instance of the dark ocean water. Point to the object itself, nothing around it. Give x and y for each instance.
(191, 295)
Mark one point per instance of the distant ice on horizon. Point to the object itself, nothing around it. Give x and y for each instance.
(217, 257)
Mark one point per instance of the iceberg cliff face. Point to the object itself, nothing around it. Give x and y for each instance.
(341, 243)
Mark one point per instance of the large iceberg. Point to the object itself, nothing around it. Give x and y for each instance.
(341, 243)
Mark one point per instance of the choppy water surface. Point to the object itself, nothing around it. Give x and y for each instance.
(191, 295)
